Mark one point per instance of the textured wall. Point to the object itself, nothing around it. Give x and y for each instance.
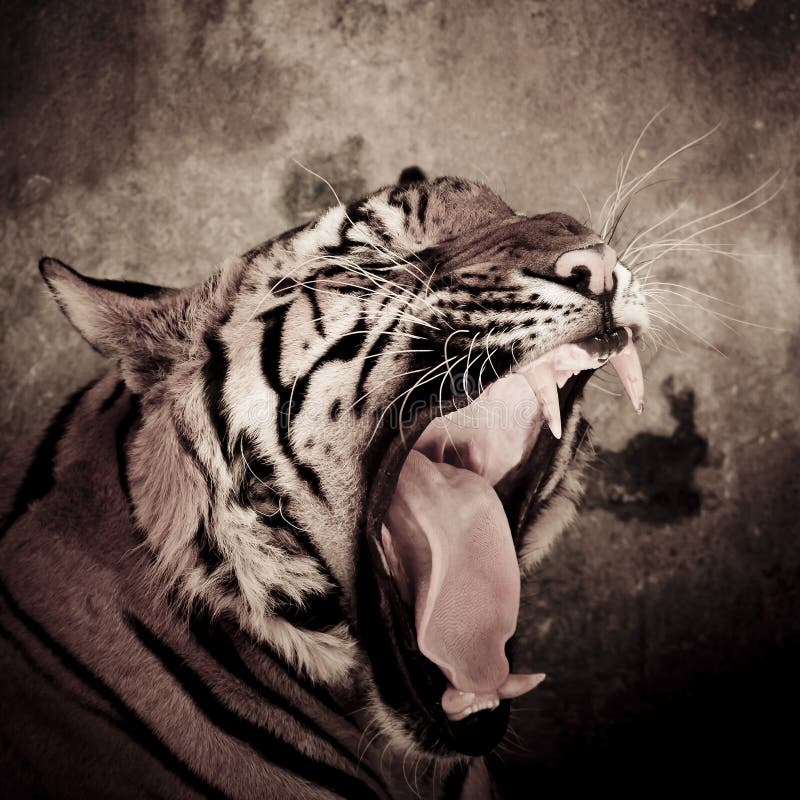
(150, 140)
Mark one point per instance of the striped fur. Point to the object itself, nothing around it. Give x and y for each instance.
(179, 552)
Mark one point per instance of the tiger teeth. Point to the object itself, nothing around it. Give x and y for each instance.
(550, 372)
(486, 705)
(629, 370)
(542, 379)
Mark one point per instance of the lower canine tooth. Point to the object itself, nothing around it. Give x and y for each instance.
(542, 380)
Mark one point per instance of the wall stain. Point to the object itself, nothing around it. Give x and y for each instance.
(358, 18)
(652, 478)
(761, 32)
(88, 89)
(305, 196)
(67, 99)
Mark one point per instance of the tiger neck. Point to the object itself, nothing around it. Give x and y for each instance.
(214, 554)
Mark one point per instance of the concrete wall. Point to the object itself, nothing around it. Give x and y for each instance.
(150, 140)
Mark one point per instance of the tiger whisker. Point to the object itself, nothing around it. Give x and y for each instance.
(629, 248)
(383, 383)
(722, 210)
(727, 221)
(279, 509)
(697, 247)
(442, 414)
(390, 352)
(449, 374)
(362, 755)
(609, 237)
(489, 356)
(718, 314)
(338, 202)
(586, 203)
(623, 170)
(368, 290)
(403, 769)
(486, 360)
(272, 290)
(694, 291)
(469, 361)
(637, 182)
(664, 333)
(417, 385)
(669, 317)
(404, 289)
(593, 384)
(390, 404)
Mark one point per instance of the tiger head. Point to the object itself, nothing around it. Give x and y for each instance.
(356, 438)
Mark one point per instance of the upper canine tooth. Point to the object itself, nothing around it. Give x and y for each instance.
(542, 380)
(562, 376)
(629, 369)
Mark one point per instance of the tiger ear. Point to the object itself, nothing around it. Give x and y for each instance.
(139, 325)
(411, 175)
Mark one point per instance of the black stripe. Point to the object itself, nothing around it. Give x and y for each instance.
(581, 432)
(398, 197)
(495, 304)
(270, 366)
(317, 690)
(136, 727)
(271, 747)
(316, 312)
(258, 465)
(129, 288)
(293, 537)
(207, 549)
(320, 612)
(346, 348)
(301, 539)
(291, 397)
(39, 478)
(220, 647)
(265, 247)
(190, 450)
(215, 373)
(344, 246)
(360, 212)
(213, 559)
(35, 668)
(113, 397)
(454, 783)
(333, 270)
(121, 438)
(370, 362)
(308, 545)
(422, 206)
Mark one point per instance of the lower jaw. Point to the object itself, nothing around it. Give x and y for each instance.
(407, 682)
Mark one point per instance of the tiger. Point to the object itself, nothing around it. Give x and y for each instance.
(277, 550)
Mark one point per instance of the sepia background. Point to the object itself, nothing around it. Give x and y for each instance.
(149, 140)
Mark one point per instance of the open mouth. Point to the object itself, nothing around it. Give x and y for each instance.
(445, 519)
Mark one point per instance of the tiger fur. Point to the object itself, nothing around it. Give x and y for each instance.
(186, 594)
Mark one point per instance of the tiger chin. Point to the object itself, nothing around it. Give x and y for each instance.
(294, 516)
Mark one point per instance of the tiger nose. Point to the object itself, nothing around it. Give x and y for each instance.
(594, 264)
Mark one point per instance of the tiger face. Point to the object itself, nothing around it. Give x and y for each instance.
(356, 438)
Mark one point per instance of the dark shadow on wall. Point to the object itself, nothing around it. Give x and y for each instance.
(652, 478)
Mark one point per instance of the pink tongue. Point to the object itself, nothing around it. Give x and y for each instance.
(451, 550)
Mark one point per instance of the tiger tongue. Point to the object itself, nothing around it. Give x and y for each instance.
(450, 546)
